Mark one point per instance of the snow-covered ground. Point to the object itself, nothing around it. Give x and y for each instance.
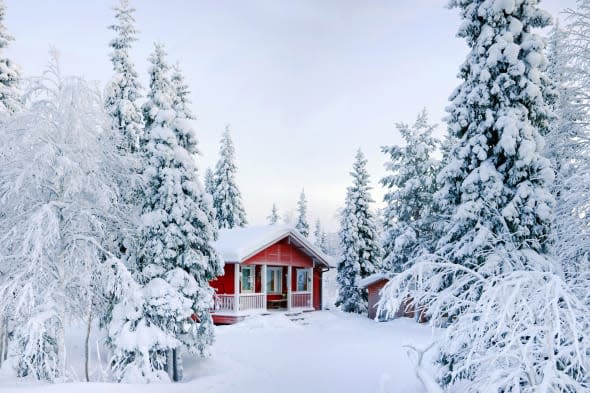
(326, 351)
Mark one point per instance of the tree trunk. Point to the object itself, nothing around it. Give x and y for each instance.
(87, 348)
(4, 354)
(169, 366)
(2, 341)
(177, 365)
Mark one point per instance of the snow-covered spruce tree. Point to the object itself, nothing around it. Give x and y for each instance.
(409, 212)
(319, 237)
(227, 200)
(123, 91)
(10, 94)
(359, 241)
(54, 226)
(515, 324)
(176, 259)
(273, 218)
(198, 258)
(302, 225)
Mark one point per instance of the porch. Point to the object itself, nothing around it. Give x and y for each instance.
(260, 288)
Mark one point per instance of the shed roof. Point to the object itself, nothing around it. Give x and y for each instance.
(238, 244)
(372, 279)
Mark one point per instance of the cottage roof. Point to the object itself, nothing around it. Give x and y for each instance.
(238, 244)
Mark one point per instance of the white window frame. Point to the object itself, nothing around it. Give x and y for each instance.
(251, 280)
(277, 271)
(307, 280)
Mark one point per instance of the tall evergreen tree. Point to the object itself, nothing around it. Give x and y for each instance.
(273, 218)
(10, 95)
(302, 225)
(515, 324)
(408, 216)
(496, 182)
(196, 254)
(359, 241)
(123, 91)
(176, 259)
(227, 200)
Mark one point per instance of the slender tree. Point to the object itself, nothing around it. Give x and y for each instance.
(209, 182)
(227, 200)
(10, 103)
(359, 241)
(273, 218)
(409, 212)
(123, 91)
(302, 225)
(319, 237)
(198, 258)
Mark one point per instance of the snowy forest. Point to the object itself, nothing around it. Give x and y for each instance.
(109, 223)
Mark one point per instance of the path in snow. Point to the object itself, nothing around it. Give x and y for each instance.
(327, 351)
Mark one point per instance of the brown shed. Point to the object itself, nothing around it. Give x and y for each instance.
(374, 284)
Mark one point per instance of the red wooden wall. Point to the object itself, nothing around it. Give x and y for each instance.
(281, 254)
(225, 283)
(317, 288)
(374, 296)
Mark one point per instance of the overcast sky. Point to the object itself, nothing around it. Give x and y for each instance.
(303, 83)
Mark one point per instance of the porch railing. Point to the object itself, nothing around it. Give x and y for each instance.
(248, 301)
(224, 302)
(301, 299)
(252, 301)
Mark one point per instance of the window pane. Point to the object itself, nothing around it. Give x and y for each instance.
(246, 279)
(269, 281)
(302, 278)
(273, 279)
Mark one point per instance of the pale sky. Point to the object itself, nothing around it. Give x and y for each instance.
(303, 83)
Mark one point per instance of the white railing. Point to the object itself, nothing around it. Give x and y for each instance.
(224, 302)
(252, 301)
(301, 299)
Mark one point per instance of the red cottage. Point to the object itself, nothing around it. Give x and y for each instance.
(267, 268)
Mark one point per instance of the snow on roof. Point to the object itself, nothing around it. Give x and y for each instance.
(239, 244)
(372, 279)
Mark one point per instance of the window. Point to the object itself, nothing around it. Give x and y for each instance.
(274, 280)
(247, 278)
(303, 280)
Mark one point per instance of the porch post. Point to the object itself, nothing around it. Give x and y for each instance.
(311, 287)
(263, 284)
(289, 287)
(236, 287)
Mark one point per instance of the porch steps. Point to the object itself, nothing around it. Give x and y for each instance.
(297, 317)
